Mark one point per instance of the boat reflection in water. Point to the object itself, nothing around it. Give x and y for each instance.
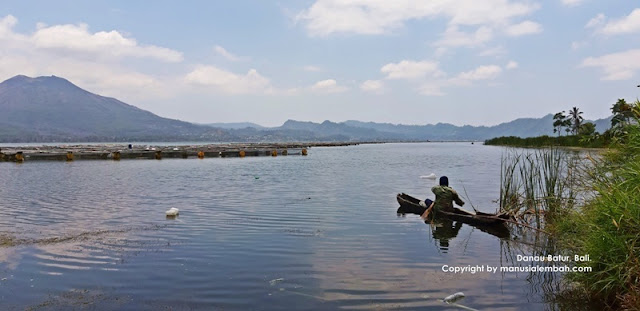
(444, 228)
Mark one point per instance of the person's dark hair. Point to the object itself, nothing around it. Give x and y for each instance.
(444, 181)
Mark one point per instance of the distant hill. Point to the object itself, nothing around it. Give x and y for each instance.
(236, 125)
(523, 127)
(52, 109)
(328, 128)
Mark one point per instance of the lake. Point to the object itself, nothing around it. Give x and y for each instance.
(307, 233)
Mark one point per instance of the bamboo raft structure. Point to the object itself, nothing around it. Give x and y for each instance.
(133, 151)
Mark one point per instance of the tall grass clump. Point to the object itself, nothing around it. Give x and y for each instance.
(607, 228)
(550, 182)
(538, 183)
(509, 184)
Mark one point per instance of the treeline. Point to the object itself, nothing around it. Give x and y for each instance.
(578, 133)
(600, 141)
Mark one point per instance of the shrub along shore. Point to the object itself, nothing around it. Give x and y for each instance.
(589, 206)
(600, 141)
(607, 227)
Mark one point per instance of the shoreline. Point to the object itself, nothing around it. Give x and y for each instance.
(105, 151)
(574, 148)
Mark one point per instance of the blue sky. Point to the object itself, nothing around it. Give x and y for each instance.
(478, 62)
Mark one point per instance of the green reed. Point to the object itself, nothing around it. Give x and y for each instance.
(537, 182)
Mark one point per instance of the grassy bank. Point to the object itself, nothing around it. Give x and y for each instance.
(607, 227)
(600, 141)
(590, 206)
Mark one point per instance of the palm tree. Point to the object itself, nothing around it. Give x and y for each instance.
(576, 118)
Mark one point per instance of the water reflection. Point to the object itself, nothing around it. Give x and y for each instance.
(558, 292)
(443, 230)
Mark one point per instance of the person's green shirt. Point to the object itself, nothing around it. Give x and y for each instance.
(445, 196)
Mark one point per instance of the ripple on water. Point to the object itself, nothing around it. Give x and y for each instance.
(317, 232)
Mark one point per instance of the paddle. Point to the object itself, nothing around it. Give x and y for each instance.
(426, 213)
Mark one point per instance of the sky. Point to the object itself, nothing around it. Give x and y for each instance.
(475, 62)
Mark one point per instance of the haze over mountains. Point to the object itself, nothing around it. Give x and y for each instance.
(52, 109)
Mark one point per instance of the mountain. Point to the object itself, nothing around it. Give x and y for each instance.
(328, 128)
(236, 125)
(54, 109)
(523, 127)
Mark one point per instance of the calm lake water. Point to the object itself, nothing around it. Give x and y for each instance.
(307, 233)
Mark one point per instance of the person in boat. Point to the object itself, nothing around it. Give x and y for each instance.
(445, 196)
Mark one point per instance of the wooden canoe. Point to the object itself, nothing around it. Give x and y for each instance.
(409, 204)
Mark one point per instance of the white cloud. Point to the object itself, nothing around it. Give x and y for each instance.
(78, 39)
(453, 37)
(408, 69)
(228, 82)
(524, 28)
(596, 21)
(575, 45)
(6, 24)
(431, 81)
(328, 86)
(625, 25)
(616, 66)
(572, 3)
(431, 89)
(312, 68)
(374, 86)
(480, 73)
(104, 79)
(495, 51)
(226, 54)
(426, 74)
(512, 65)
(97, 71)
(326, 17)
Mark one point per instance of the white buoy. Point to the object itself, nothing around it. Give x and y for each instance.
(430, 176)
(173, 212)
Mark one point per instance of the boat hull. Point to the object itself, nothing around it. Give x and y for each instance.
(409, 204)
